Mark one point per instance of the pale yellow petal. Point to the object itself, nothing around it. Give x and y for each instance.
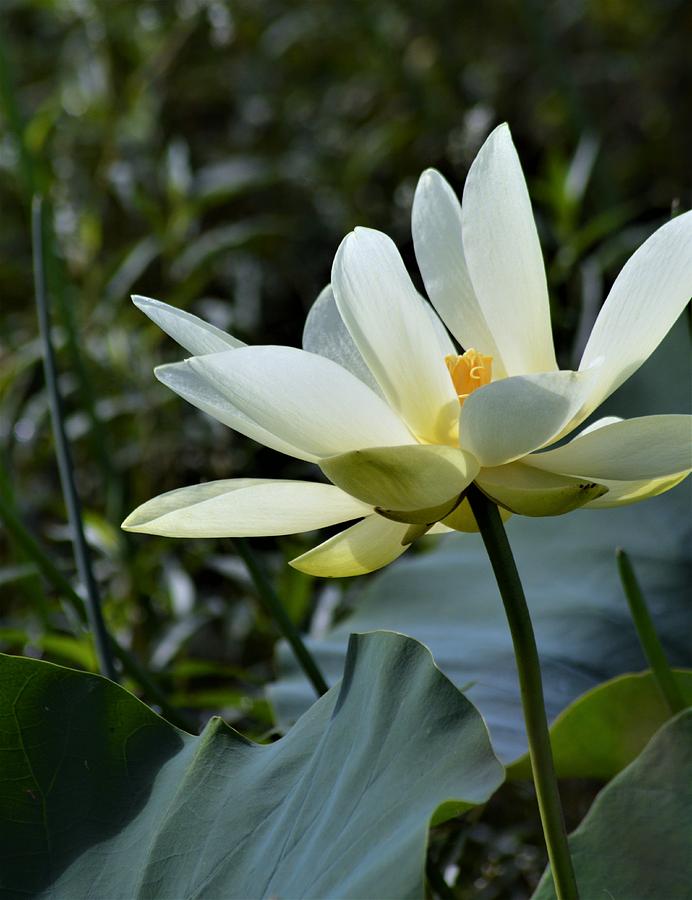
(646, 299)
(287, 398)
(436, 227)
(324, 333)
(245, 507)
(395, 333)
(507, 419)
(194, 334)
(462, 519)
(626, 450)
(622, 493)
(504, 259)
(362, 548)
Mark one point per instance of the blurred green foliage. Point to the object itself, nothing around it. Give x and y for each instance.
(212, 154)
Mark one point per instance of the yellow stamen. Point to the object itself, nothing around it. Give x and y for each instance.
(469, 372)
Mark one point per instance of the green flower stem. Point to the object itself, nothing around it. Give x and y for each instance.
(512, 593)
(648, 638)
(64, 457)
(276, 610)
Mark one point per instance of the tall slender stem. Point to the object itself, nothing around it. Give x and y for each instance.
(530, 682)
(648, 638)
(64, 457)
(276, 610)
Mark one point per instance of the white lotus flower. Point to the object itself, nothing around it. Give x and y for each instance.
(401, 423)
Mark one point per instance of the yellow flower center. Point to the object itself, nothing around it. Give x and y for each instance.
(469, 372)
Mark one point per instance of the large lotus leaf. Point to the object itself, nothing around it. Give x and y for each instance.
(448, 598)
(103, 799)
(635, 842)
(603, 731)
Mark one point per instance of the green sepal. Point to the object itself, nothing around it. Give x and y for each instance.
(413, 532)
(526, 491)
(417, 483)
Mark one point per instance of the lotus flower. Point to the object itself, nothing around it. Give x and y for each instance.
(398, 420)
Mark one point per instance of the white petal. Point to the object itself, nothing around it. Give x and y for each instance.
(648, 296)
(439, 528)
(601, 423)
(362, 548)
(306, 400)
(244, 507)
(325, 333)
(436, 227)
(504, 257)
(191, 332)
(507, 419)
(188, 384)
(622, 493)
(630, 450)
(395, 333)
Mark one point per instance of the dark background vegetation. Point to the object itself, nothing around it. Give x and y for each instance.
(212, 154)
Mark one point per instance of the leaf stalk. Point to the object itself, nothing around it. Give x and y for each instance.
(64, 457)
(277, 611)
(646, 632)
